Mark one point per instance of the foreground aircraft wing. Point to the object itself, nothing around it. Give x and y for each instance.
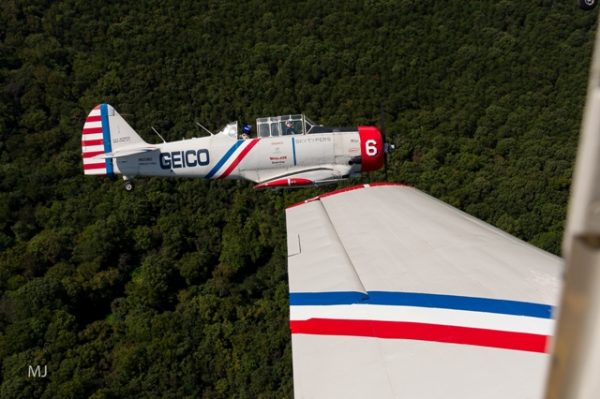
(396, 294)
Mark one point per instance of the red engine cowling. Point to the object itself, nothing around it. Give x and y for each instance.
(371, 148)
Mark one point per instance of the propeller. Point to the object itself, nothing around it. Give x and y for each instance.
(387, 147)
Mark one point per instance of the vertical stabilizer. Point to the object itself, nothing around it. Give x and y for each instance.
(104, 133)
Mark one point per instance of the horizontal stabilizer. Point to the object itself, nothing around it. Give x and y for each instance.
(126, 152)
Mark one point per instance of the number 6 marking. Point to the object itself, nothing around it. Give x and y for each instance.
(371, 147)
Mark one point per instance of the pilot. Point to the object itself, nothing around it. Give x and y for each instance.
(290, 128)
(246, 131)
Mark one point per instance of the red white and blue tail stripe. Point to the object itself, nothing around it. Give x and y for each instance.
(95, 141)
(232, 158)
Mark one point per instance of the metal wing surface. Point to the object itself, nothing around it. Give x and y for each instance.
(396, 294)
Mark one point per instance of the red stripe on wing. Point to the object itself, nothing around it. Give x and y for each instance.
(422, 332)
(286, 182)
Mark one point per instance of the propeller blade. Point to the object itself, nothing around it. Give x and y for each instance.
(385, 144)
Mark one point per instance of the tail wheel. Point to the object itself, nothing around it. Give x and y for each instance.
(128, 186)
(586, 4)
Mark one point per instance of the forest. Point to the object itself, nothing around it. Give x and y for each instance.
(179, 289)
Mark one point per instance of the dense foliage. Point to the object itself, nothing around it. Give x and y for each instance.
(179, 288)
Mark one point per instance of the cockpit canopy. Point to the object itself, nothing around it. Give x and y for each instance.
(283, 125)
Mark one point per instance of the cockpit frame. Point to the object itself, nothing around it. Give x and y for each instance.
(283, 125)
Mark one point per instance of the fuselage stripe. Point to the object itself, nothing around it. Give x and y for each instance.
(422, 332)
(294, 149)
(423, 300)
(239, 158)
(224, 159)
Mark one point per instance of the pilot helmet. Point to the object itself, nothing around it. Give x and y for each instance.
(288, 123)
(246, 128)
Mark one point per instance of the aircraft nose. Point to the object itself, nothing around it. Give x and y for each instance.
(371, 148)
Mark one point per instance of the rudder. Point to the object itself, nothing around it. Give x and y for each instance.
(95, 141)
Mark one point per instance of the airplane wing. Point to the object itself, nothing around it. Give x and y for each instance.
(307, 177)
(396, 294)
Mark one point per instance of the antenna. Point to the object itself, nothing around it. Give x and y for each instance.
(200, 125)
(156, 131)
